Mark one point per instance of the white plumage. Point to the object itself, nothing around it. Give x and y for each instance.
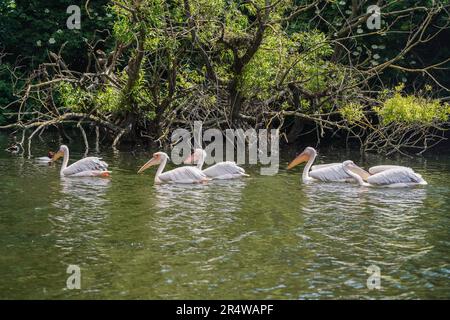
(43, 159)
(225, 170)
(46, 159)
(220, 171)
(321, 166)
(393, 177)
(186, 174)
(381, 168)
(329, 173)
(323, 172)
(183, 175)
(87, 167)
(400, 175)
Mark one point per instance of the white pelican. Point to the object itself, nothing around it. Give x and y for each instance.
(186, 174)
(386, 176)
(220, 171)
(322, 172)
(87, 167)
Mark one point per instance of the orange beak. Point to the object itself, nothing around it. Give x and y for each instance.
(148, 164)
(302, 157)
(57, 155)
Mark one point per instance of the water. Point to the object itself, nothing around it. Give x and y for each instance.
(264, 237)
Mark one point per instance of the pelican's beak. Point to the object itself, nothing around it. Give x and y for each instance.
(189, 159)
(151, 162)
(359, 171)
(302, 157)
(57, 155)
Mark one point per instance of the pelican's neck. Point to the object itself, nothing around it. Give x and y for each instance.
(201, 161)
(305, 175)
(160, 169)
(357, 177)
(65, 161)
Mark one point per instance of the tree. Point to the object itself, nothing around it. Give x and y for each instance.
(302, 66)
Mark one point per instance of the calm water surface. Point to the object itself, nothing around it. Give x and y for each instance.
(265, 237)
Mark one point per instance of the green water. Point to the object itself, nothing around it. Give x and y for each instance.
(264, 237)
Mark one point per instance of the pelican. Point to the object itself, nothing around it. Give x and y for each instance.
(385, 176)
(186, 174)
(87, 167)
(324, 172)
(220, 171)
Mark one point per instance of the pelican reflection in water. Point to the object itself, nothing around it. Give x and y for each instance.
(88, 189)
(378, 226)
(198, 209)
(80, 217)
(220, 196)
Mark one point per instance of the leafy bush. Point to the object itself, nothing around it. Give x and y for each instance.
(411, 109)
(73, 98)
(352, 112)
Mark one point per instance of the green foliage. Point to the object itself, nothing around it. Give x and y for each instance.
(260, 75)
(301, 56)
(352, 112)
(299, 53)
(108, 99)
(73, 98)
(29, 29)
(374, 49)
(411, 109)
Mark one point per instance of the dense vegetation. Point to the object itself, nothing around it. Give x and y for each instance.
(140, 68)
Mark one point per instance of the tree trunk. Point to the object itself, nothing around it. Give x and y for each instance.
(236, 100)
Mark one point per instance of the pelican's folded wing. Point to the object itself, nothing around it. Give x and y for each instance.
(183, 175)
(224, 169)
(320, 166)
(330, 173)
(86, 164)
(378, 169)
(395, 175)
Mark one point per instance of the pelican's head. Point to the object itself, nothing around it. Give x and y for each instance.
(307, 154)
(350, 167)
(348, 164)
(62, 150)
(195, 156)
(157, 158)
